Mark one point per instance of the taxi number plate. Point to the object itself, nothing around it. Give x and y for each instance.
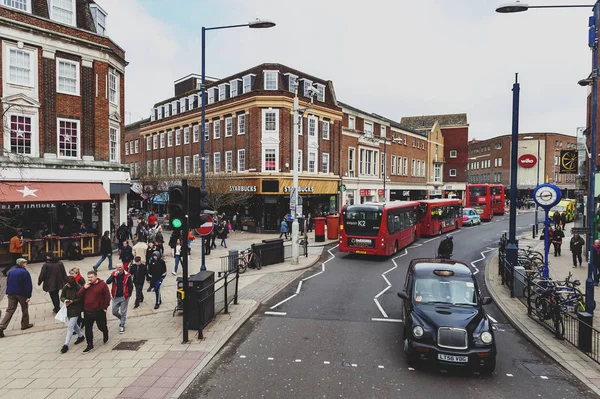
(361, 252)
(454, 359)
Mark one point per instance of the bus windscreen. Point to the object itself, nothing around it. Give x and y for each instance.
(361, 221)
(478, 191)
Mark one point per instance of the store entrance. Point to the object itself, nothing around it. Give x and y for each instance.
(271, 213)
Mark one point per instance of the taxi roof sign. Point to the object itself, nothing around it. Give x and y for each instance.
(443, 273)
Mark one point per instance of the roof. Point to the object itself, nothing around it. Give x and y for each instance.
(137, 124)
(427, 121)
(374, 115)
(426, 266)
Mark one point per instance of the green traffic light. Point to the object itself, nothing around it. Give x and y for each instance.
(176, 223)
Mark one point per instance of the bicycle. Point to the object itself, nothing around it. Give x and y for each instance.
(248, 259)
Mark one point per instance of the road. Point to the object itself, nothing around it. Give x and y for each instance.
(325, 336)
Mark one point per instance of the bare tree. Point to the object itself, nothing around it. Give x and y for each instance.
(219, 193)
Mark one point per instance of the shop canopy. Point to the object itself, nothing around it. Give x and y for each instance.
(46, 193)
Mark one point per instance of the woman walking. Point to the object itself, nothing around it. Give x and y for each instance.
(223, 234)
(177, 255)
(105, 251)
(283, 230)
(73, 303)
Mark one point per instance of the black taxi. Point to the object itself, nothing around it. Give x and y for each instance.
(443, 317)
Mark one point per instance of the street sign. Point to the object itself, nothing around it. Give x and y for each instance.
(207, 227)
(299, 211)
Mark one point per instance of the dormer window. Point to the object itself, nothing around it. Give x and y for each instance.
(211, 96)
(247, 83)
(321, 92)
(271, 80)
(307, 84)
(63, 11)
(99, 16)
(22, 5)
(223, 92)
(292, 82)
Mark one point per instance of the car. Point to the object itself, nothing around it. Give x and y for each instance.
(444, 322)
(471, 217)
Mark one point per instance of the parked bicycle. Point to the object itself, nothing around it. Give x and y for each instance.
(248, 259)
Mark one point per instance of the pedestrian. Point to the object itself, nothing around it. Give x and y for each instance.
(123, 234)
(15, 249)
(126, 254)
(18, 290)
(213, 237)
(563, 219)
(139, 249)
(191, 237)
(81, 281)
(207, 245)
(223, 233)
(178, 256)
(557, 237)
(152, 220)
(158, 246)
(577, 243)
(176, 235)
(149, 253)
(237, 219)
(141, 224)
(96, 296)
(157, 270)
(53, 276)
(122, 287)
(283, 230)
(556, 219)
(105, 251)
(73, 303)
(138, 271)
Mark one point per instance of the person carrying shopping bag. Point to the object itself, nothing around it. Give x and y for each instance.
(74, 304)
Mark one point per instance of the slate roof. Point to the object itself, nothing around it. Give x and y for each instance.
(427, 121)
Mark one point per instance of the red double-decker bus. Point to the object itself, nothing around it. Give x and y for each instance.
(378, 228)
(479, 197)
(440, 216)
(498, 198)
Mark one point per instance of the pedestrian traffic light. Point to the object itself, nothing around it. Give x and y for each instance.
(177, 206)
(198, 204)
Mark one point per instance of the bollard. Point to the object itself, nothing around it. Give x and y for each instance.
(533, 228)
(585, 331)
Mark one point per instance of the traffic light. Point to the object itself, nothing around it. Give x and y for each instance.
(177, 206)
(198, 204)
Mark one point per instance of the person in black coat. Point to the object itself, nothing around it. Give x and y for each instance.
(557, 237)
(446, 247)
(157, 270)
(139, 271)
(105, 251)
(126, 255)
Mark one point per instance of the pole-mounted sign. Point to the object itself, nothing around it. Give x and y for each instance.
(546, 196)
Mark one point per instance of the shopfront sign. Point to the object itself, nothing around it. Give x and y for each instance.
(365, 192)
(381, 192)
(435, 192)
(301, 189)
(27, 206)
(527, 161)
(243, 189)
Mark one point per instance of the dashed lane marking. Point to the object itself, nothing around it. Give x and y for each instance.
(380, 367)
(326, 362)
(298, 360)
(479, 260)
(492, 319)
(389, 285)
(242, 357)
(386, 320)
(509, 375)
(543, 377)
(270, 358)
(276, 313)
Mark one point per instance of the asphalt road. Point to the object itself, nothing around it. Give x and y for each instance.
(324, 338)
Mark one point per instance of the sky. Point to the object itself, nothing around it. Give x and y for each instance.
(395, 58)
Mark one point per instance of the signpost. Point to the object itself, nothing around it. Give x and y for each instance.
(546, 196)
(206, 227)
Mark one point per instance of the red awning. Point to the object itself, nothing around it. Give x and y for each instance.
(44, 193)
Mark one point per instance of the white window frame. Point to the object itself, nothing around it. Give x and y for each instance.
(58, 120)
(196, 133)
(137, 146)
(32, 65)
(383, 132)
(266, 75)
(162, 139)
(351, 122)
(314, 121)
(234, 84)
(169, 166)
(155, 170)
(229, 126)
(307, 84)
(186, 165)
(228, 161)
(217, 129)
(325, 165)
(325, 130)
(112, 94)
(247, 79)
(77, 76)
(174, 107)
(312, 154)
(264, 159)
(292, 82)
(73, 13)
(352, 161)
(148, 143)
(217, 165)
(437, 173)
(452, 173)
(196, 164)
(130, 147)
(368, 132)
(178, 136)
(453, 153)
(264, 120)
(182, 106)
(499, 162)
(148, 167)
(320, 92)
(27, 6)
(299, 161)
(241, 127)
(206, 131)
(393, 165)
(223, 91)
(405, 166)
(170, 138)
(177, 166)
(35, 133)
(413, 171)
(155, 141)
(241, 166)
(162, 169)
(211, 96)
(186, 135)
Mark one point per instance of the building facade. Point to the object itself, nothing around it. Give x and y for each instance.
(489, 161)
(62, 95)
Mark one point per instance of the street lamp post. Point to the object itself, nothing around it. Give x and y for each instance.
(257, 24)
(593, 43)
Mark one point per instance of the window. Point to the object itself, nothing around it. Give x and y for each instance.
(23, 5)
(137, 146)
(452, 172)
(178, 165)
(207, 162)
(241, 160)
(453, 154)
(186, 135)
(217, 162)
(68, 138)
(418, 171)
(170, 138)
(351, 123)
(383, 131)
(312, 126)
(170, 166)
(325, 130)
(162, 166)
(437, 173)
(155, 167)
(325, 163)
(305, 89)
(270, 122)
(21, 136)
(312, 160)
(241, 123)
(271, 80)
(499, 161)
(228, 161)
(228, 127)
(234, 87)
(206, 131)
(162, 139)
(246, 84)
(130, 147)
(196, 164)
(177, 136)
(20, 67)
(292, 82)
(320, 92)
(393, 165)
(368, 162)
(174, 107)
(368, 129)
(63, 11)
(299, 160)
(223, 91)
(182, 105)
(148, 143)
(270, 159)
(217, 129)
(112, 88)
(413, 171)
(155, 141)
(148, 168)
(351, 161)
(399, 172)
(186, 165)
(67, 77)
(498, 146)
(405, 167)
(196, 129)
(211, 96)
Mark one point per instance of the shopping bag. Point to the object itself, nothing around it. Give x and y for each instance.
(62, 314)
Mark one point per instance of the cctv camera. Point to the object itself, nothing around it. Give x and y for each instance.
(312, 91)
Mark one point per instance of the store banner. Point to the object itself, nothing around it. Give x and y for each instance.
(568, 162)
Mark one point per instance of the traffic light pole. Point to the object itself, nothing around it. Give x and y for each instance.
(184, 260)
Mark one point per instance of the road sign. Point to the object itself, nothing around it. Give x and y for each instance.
(207, 227)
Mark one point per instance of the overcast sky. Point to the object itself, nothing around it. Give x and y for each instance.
(392, 57)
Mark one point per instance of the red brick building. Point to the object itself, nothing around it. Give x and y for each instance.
(62, 93)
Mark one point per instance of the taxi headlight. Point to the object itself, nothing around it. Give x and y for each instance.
(486, 338)
(418, 331)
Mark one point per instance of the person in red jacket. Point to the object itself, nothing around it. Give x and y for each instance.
(122, 288)
(96, 296)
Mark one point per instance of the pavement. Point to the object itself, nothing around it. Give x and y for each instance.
(564, 353)
(161, 366)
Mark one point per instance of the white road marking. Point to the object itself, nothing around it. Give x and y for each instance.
(299, 287)
(411, 369)
(509, 375)
(326, 362)
(492, 319)
(389, 285)
(284, 301)
(380, 367)
(270, 358)
(298, 360)
(316, 274)
(388, 320)
(242, 357)
(431, 239)
(482, 258)
(354, 365)
(276, 313)
(543, 377)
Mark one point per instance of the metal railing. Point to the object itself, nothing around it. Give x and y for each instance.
(221, 304)
(230, 262)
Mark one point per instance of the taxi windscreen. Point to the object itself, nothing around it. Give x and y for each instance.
(455, 291)
(362, 221)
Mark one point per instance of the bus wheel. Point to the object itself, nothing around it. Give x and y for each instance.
(395, 247)
(440, 232)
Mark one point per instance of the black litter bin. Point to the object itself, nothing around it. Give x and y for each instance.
(269, 252)
(202, 299)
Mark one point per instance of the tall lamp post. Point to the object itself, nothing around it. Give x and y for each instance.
(257, 24)
(593, 43)
(538, 177)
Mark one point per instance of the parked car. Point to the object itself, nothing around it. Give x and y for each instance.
(444, 323)
(471, 217)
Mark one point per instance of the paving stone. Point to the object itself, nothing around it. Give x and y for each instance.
(41, 383)
(62, 393)
(108, 393)
(19, 383)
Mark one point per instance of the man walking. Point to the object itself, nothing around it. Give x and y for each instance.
(15, 249)
(18, 290)
(122, 287)
(140, 250)
(138, 271)
(96, 296)
(126, 254)
(577, 243)
(53, 276)
(157, 270)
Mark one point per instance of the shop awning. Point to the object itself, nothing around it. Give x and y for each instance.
(45, 193)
